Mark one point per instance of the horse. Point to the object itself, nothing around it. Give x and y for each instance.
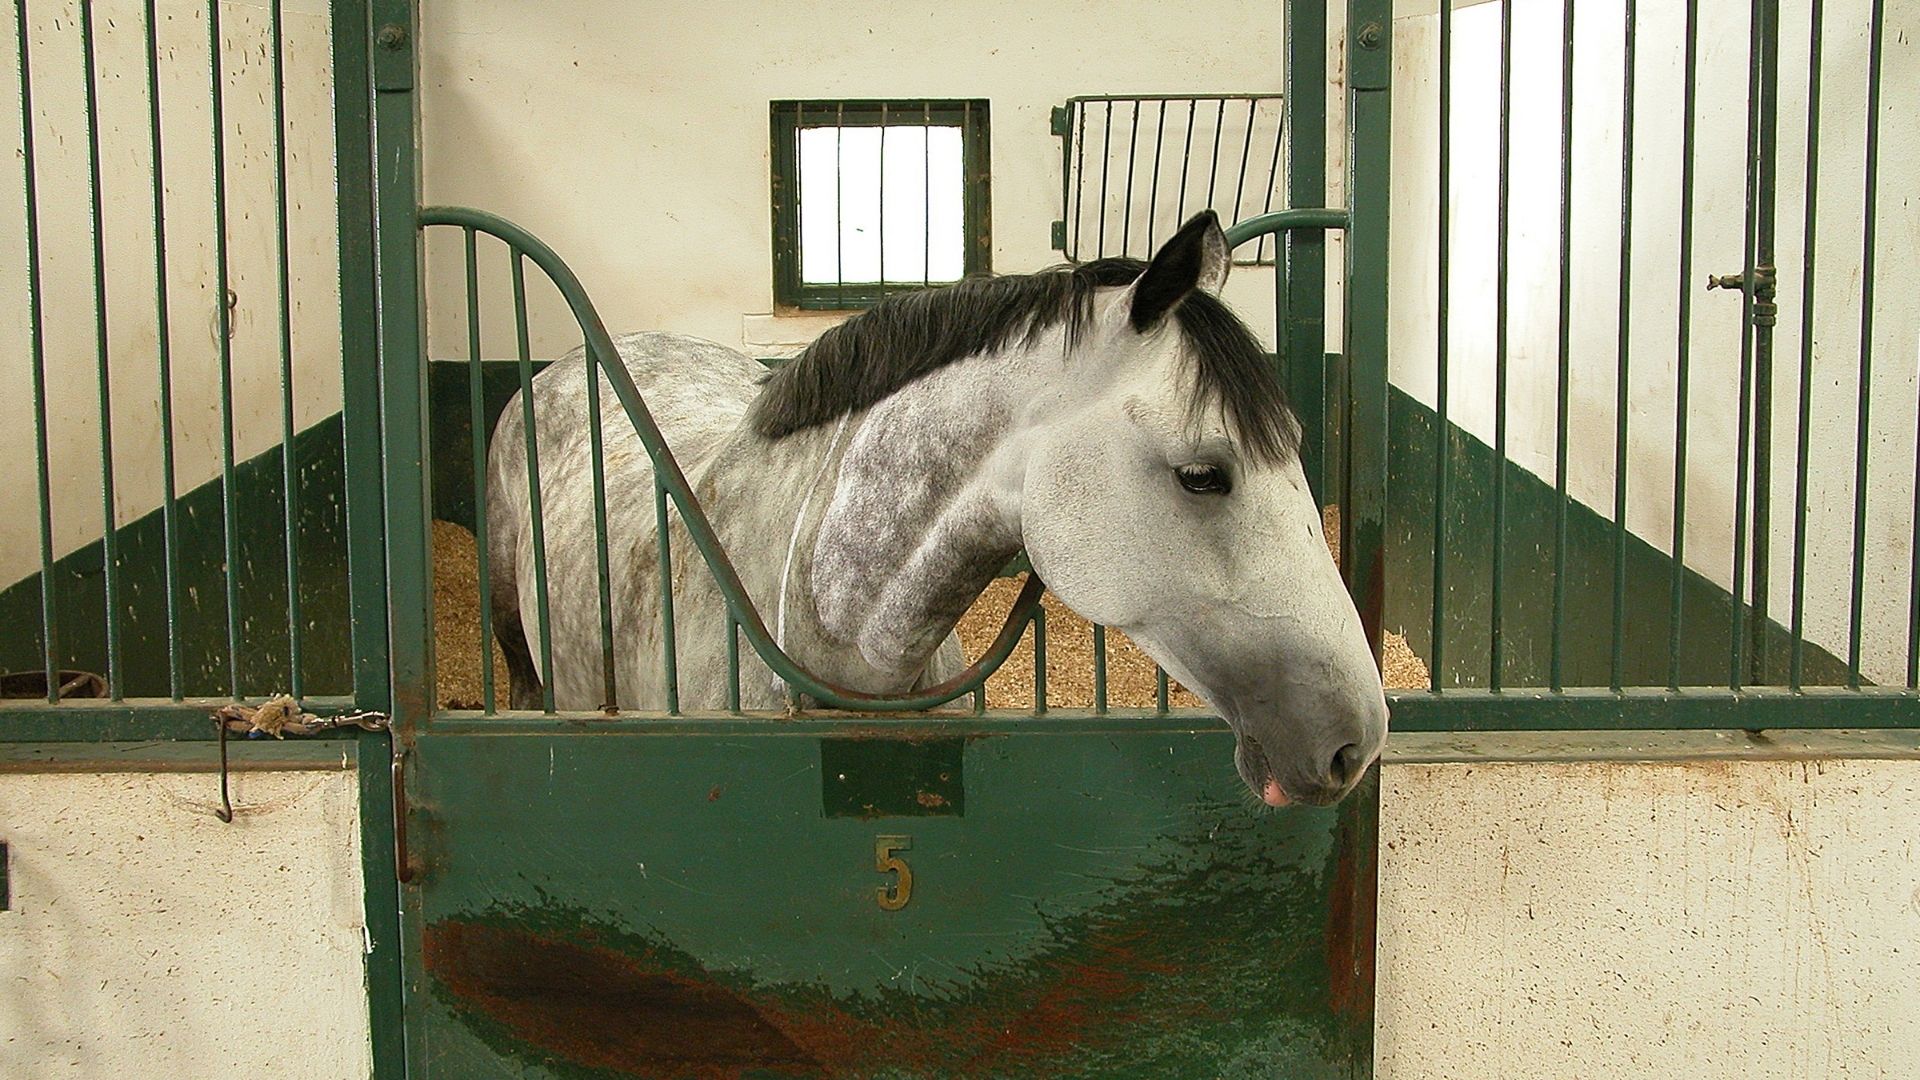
(1114, 419)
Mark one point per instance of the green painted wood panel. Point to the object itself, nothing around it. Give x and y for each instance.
(1103, 903)
(1528, 595)
(80, 586)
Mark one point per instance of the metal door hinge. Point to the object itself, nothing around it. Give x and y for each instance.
(1059, 236)
(1059, 120)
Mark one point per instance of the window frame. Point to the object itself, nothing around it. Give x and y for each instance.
(788, 117)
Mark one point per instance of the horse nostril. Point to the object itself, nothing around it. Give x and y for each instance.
(1348, 761)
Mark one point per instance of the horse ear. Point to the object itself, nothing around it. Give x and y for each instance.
(1196, 257)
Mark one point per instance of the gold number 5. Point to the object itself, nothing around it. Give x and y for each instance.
(893, 896)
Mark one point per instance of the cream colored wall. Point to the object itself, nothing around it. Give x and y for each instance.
(1707, 919)
(60, 146)
(1719, 237)
(633, 137)
(144, 938)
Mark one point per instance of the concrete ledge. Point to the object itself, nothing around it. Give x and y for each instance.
(243, 755)
(1422, 747)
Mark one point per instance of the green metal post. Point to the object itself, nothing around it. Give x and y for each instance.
(1303, 262)
(1563, 378)
(402, 367)
(384, 33)
(359, 348)
(1363, 517)
(1363, 506)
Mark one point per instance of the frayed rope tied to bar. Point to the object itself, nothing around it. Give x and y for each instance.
(278, 717)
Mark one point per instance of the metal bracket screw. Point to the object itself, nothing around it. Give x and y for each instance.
(1371, 35)
(391, 36)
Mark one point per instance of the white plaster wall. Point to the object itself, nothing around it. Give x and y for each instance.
(67, 284)
(147, 939)
(1719, 196)
(633, 137)
(1745, 920)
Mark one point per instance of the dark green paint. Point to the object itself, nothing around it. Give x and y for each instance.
(1108, 906)
(879, 778)
(79, 586)
(1300, 268)
(1528, 593)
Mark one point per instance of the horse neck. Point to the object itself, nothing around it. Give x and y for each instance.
(918, 511)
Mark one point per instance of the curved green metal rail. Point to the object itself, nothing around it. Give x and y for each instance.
(669, 477)
(1282, 221)
(671, 482)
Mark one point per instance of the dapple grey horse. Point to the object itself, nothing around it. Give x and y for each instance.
(1114, 419)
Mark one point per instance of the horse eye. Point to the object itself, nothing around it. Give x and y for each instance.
(1204, 479)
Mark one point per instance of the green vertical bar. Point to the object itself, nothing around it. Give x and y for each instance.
(1757, 195)
(1562, 376)
(880, 211)
(380, 320)
(1126, 219)
(1350, 949)
(1246, 155)
(1369, 166)
(669, 661)
(1186, 157)
(1496, 619)
(110, 529)
(289, 468)
(36, 327)
(1764, 316)
(359, 352)
(1159, 689)
(1913, 577)
(1213, 162)
(536, 513)
(403, 368)
(1039, 660)
(1796, 657)
(1623, 349)
(733, 664)
(1273, 181)
(926, 194)
(230, 526)
(1304, 261)
(1443, 426)
(1099, 668)
(1862, 430)
(839, 223)
(477, 422)
(1106, 159)
(163, 344)
(1683, 348)
(1079, 174)
(1153, 188)
(386, 1006)
(609, 684)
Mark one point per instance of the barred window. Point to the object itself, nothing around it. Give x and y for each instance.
(873, 197)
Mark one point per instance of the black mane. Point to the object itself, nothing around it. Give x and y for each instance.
(868, 357)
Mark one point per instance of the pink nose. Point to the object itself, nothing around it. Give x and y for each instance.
(1272, 795)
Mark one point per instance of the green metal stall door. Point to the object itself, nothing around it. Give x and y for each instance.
(1073, 903)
